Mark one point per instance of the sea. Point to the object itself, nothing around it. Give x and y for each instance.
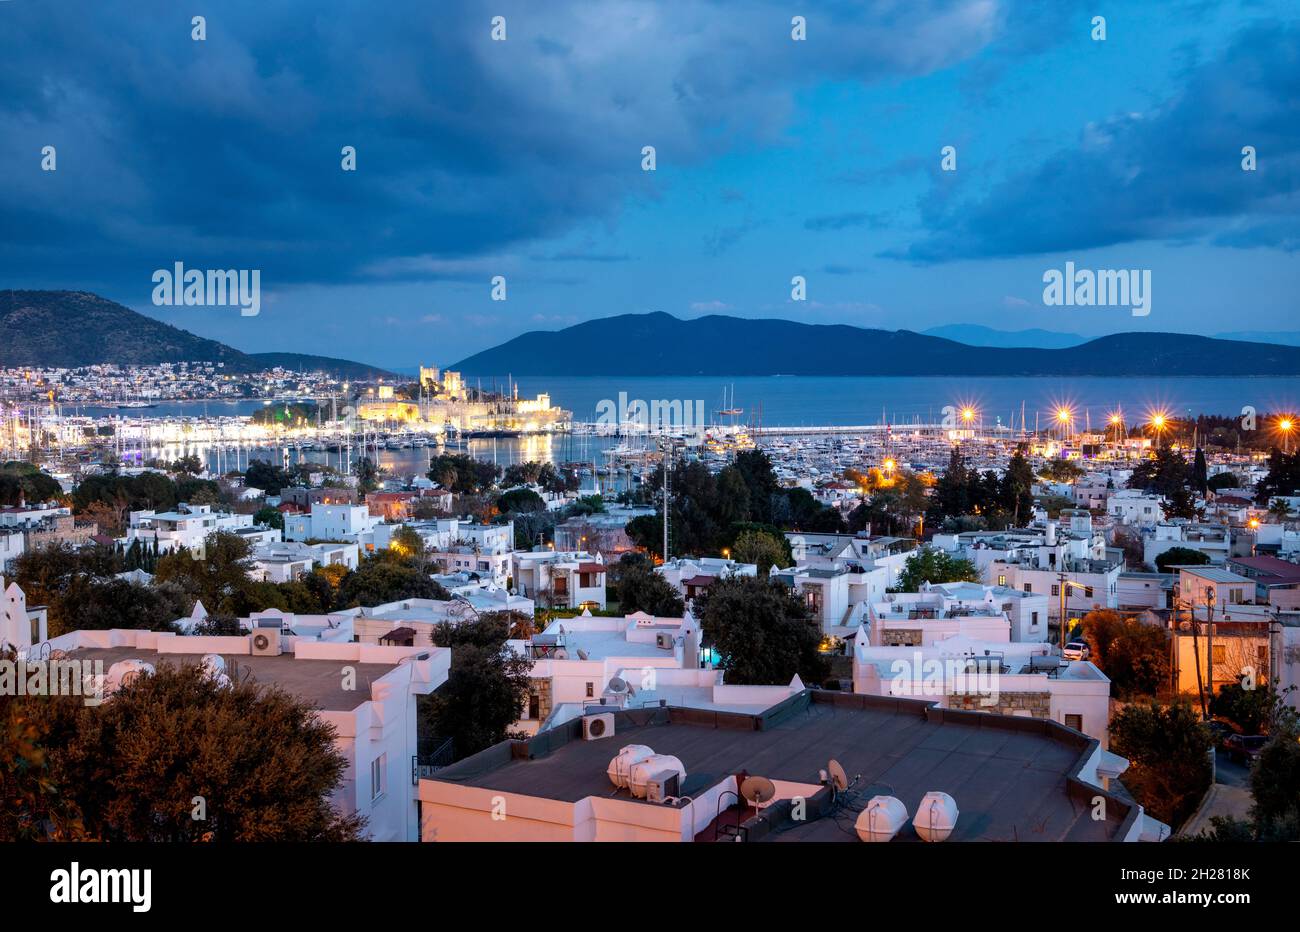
(809, 401)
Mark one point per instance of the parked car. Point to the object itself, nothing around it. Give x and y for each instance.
(1244, 749)
(1220, 732)
(1075, 650)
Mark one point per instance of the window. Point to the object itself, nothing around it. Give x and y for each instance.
(1033, 620)
(1029, 587)
(1074, 721)
(1220, 654)
(1087, 592)
(1002, 580)
(378, 776)
(1261, 659)
(1056, 590)
(591, 690)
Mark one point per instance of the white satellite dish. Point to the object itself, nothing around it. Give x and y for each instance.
(838, 777)
(617, 685)
(582, 654)
(757, 790)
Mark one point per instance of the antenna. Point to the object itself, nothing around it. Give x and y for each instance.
(757, 790)
(837, 775)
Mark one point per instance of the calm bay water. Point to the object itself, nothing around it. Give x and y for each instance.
(789, 401)
(795, 401)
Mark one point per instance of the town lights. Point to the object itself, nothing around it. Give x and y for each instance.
(968, 414)
(889, 465)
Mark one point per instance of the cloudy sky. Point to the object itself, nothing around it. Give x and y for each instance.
(775, 158)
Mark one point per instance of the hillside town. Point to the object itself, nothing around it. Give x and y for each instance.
(1120, 608)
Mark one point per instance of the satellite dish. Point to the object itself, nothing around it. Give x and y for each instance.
(617, 685)
(837, 775)
(757, 790)
(582, 654)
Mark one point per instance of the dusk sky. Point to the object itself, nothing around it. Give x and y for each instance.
(775, 158)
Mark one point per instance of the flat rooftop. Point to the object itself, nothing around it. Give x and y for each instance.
(319, 682)
(1009, 776)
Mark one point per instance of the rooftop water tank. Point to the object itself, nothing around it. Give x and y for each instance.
(621, 766)
(936, 816)
(882, 819)
(643, 770)
(124, 672)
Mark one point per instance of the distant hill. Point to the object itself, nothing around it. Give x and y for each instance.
(76, 328)
(660, 344)
(1283, 337)
(978, 335)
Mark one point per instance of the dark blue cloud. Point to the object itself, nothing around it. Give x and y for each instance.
(225, 153)
(1170, 174)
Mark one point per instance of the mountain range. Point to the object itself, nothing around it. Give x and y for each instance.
(979, 335)
(663, 345)
(75, 328)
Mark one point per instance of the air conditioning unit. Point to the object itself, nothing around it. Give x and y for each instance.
(265, 642)
(663, 786)
(664, 640)
(600, 725)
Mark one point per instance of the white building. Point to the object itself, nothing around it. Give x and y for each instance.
(1018, 679)
(1135, 508)
(560, 579)
(20, 627)
(189, 526)
(330, 522)
(285, 561)
(959, 608)
(837, 596)
(1215, 541)
(575, 660)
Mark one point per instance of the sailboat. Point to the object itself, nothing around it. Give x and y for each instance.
(730, 410)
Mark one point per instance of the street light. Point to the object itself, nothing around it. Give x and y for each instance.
(1285, 426)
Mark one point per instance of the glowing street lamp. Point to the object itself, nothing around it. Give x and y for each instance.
(1065, 418)
(1159, 423)
(1285, 426)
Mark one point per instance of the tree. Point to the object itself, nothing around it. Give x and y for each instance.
(1180, 556)
(266, 476)
(461, 473)
(520, 500)
(1275, 787)
(1016, 492)
(1223, 480)
(218, 577)
(1135, 656)
(270, 517)
(262, 762)
(1200, 480)
(378, 581)
(1283, 477)
(189, 465)
(367, 475)
(762, 632)
(1061, 470)
(1168, 752)
(1252, 709)
(928, 564)
(759, 548)
(484, 693)
(641, 589)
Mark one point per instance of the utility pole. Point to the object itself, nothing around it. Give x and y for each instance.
(1209, 644)
(668, 450)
